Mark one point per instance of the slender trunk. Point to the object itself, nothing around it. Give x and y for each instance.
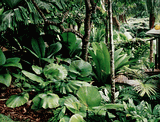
(151, 25)
(87, 29)
(112, 50)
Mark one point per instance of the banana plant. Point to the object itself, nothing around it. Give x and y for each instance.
(5, 77)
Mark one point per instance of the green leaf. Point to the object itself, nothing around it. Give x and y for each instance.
(74, 105)
(53, 49)
(80, 67)
(2, 58)
(1, 10)
(37, 69)
(5, 79)
(13, 65)
(49, 100)
(38, 46)
(76, 118)
(32, 76)
(4, 118)
(65, 119)
(12, 3)
(110, 106)
(55, 71)
(17, 100)
(89, 96)
(59, 113)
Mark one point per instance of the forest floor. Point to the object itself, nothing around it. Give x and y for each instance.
(23, 113)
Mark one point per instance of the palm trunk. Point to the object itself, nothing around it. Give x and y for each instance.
(112, 50)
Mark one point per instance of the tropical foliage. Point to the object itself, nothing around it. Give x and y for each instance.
(66, 54)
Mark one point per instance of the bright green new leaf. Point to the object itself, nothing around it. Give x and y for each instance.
(2, 58)
(65, 119)
(55, 71)
(80, 67)
(5, 79)
(37, 69)
(76, 118)
(17, 100)
(89, 96)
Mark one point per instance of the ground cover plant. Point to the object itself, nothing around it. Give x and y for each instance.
(77, 61)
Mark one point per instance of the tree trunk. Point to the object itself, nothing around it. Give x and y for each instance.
(151, 25)
(87, 29)
(112, 50)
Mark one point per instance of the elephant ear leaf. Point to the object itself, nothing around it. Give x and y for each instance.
(17, 100)
(2, 58)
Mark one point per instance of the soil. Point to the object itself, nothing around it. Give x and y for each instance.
(23, 113)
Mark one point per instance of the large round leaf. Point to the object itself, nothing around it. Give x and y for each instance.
(76, 118)
(55, 71)
(17, 100)
(90, 96)
(80, 67)
(5, 79)
(49, 100)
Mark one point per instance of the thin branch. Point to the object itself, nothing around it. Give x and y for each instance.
(57, 24)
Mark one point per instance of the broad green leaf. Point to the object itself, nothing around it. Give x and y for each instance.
(74, 105)
(55, 71)
(37, 69)
(80, 67)
(117, 53)
(49, 100)
(53, 49)
(89, 96)
(2, 58)
(32, 76)
(17, 100)
(5, 79)
(1, 10)
(109, 106)
(38, 46)
(65, 119)
(13, 60)
(76, 118)
(13, 65)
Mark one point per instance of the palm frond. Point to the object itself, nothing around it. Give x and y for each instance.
(145, 88)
